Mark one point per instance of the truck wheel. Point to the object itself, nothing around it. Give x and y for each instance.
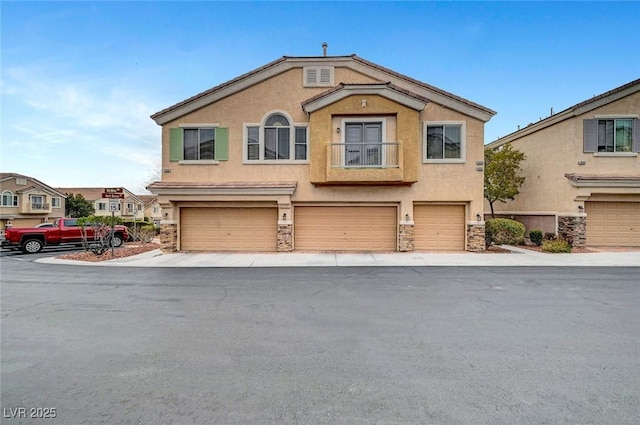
(32, 246)
(116, 241)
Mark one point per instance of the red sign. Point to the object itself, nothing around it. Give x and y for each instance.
(113, 195)
(113, 190)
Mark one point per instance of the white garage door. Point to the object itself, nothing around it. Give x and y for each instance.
(228, 229)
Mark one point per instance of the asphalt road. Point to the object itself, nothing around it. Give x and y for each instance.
(319, 345)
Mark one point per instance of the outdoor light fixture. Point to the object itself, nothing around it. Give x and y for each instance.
(406, 217)
(338, 130)
(580, 208)
(284, 216)
(478, 217)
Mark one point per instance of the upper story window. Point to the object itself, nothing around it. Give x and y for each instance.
(56, 202)
(612, 135)
(102, 206)
(277, 140)
(199, 144)
(9, 199)
(444, 142)
(318, 76)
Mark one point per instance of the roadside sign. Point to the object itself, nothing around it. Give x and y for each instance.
(113, 205)
(113, 195)
(113, 190)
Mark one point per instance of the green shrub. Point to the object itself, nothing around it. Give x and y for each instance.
(536, 237)
(503, 231)
(556, 245)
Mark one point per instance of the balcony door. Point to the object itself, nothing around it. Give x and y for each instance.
(363, 144)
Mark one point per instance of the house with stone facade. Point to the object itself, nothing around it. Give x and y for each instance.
(326, 153)
(27, 202)
(582, 171)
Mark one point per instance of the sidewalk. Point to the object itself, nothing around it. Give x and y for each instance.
(518, 257)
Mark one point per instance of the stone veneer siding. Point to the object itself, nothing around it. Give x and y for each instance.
(285, 241)
(406, 238)
(475, 238)
(169, 237)
(573, 229)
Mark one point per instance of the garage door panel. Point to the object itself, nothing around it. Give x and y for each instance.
(613, 223)
(228, 229)
(345, 228)
(439, 227)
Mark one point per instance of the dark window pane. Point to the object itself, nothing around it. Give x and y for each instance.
(283, 143)
(253, 149)
(270, 143)
(207, 143)
(452, 139)
(190, 144)
(301, 151)
(435, 142)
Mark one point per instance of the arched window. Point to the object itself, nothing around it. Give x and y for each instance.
(8, 200)
(276, 138)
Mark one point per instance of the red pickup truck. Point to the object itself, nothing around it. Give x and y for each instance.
(64, 232)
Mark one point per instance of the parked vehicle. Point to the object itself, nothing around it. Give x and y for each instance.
(65, 231)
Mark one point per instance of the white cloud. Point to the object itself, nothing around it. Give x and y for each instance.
(52, 119)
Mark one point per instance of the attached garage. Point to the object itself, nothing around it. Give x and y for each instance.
(613, 223)
(345, 228)
(228, 229)
(439, 227)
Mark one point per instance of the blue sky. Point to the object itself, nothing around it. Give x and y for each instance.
(80, 79)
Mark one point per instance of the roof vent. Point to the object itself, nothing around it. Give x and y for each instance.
(324, 48)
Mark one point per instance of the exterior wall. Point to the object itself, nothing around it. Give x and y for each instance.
(424, 182)
(557, 150)
(22, 215)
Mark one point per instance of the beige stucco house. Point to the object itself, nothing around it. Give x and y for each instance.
(129, 208)
(582, 171)
(152, 209)
(329, 153)
(27, 202)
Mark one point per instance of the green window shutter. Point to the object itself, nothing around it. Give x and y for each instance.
(222, 144)
(176, 153)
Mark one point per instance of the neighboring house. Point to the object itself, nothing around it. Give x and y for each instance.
(152, 209)
(582, 171)
(322, 154)
(128, 208)
(27, 202)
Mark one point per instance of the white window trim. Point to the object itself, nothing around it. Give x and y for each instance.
(13, 199)
(292, 141)
(59, 202)
(463, 143)
(198, 161)
(358, 120)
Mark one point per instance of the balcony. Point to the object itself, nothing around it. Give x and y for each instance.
(364, 155)
(35, 208)
(364, 163)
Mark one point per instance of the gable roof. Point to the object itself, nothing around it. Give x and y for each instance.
(45, 187)
(573, 111)
(343, 90)
(431, 93)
